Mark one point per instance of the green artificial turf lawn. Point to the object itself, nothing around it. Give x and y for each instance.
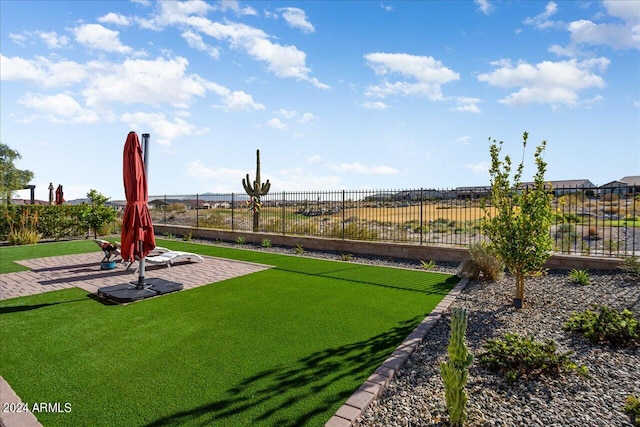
(9, 254)
(282, 347)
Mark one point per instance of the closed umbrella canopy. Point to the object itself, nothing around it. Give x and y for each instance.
(138, 238)
(59, 195)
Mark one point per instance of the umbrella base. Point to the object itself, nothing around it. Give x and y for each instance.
(130, 292)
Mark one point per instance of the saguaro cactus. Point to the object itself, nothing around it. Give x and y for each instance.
(255, 191)
(455, 371)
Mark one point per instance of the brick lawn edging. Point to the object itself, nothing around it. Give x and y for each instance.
(348, 414)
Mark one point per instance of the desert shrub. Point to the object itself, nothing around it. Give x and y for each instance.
(632, 408)
(213, 220)
(631, 265)
(187, 237)
(611, 197)
(298, 250)
(241, 240)
(266, 243)
(346, 257)
(177, 208)
(25, 230)
(484, 255)
(592, 232)
(611, 245)
(428, 265)
(605, 325)
(274, 225)
(353, 231)
(517, 356)
(580, 277)
(167, 235)
(468, 269)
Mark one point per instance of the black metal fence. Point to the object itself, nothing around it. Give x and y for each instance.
(587, 221)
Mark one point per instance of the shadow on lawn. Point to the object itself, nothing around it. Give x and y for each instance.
(19, 308)
(437, 288)
(288, 388)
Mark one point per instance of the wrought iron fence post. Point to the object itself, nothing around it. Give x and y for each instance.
(197, 210)
(421, 210)
(284, 225)
(164, 210)
(233, 211)
(343, 218)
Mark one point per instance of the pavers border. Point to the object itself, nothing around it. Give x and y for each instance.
(349, 413)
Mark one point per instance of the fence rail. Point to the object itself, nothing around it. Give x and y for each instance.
(587, 221)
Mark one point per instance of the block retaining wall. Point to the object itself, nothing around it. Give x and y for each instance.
(383, 249)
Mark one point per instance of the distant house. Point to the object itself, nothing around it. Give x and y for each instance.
(627, 185)
(476, 192)
(567, 186)
(158, 204)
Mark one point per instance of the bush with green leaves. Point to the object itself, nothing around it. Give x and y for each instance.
(241, 240)
(95, 214)
(632, 408)
(579, 277)
(485, 257)
(631, 265)
(299, 250)
(518, 356)
(346, 257)
(266, 243)
(604, 325)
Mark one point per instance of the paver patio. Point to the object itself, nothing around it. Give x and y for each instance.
(83, 271)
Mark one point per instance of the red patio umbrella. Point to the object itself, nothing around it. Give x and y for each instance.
(59, 195)
(137, 236)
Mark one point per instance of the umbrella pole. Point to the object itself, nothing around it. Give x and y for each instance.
(145, 157)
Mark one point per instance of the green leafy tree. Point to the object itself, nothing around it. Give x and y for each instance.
(520, 227)
(11, 178)
(96, 215)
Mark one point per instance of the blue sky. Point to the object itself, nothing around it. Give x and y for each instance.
(335, 94)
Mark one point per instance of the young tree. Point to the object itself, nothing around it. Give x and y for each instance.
(520, 227)
(96, 215)
(11, 178)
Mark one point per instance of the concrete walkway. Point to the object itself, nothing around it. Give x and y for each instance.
(83, 271)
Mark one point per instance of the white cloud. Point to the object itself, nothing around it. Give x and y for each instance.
(283, 61)
(60, 108)
(276, 123)
(241, 101)
(19, 39)
(234, 6)
(307, 118)
(195, 41)
(614, 35)
(159, 81)
(466, 105)
(165, 131)
(314, 159)
(484, 6)
(482, 167)
(287, 114)
(554, 83)
(357, 167)
(463, 139)
(95, 36)
(386, 7)
(376, 105)
(429, 73)
(115, 19)
(43, 71)
(53, 40)
(541, 21)
(199, 171)
(297, 18)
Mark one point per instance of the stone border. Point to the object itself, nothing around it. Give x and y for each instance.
(349, 413)
(22, 419)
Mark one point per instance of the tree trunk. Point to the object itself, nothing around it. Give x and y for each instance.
(519, 296)
(256, 219)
